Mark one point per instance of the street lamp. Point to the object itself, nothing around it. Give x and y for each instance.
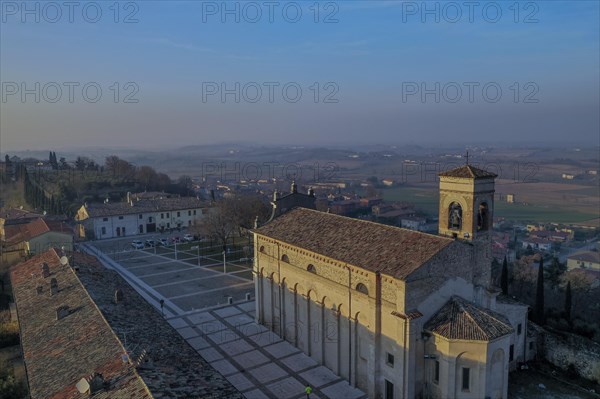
(224, 263)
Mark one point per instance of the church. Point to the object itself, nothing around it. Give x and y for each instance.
(397, 313)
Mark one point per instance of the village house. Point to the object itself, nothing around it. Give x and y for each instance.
(584, 260)
(138, 216)
(36, 236)
(398, 313)
(537, 244)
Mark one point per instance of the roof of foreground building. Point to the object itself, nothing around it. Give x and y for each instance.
(65, 337)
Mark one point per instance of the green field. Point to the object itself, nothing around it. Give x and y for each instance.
(427, 201)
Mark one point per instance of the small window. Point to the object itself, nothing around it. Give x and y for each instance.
(120, 217)
(167, 215)
(105, 219)
(466, 378)
(178, 214)
(436, 374)
(360, 287)
(141, 216)
(285, 259)
(262, 248)
(168, 225)
(194, 211)
(150, 219)
(531, 346)
(389, 359)
(162, 215)
(311, 269)
(103, 230)
(511, 353)
(189, 213)
(519, 328)
(189, 222)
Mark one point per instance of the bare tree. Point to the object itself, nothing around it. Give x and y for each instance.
(217, 224)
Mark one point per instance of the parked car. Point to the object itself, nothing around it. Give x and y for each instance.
(188, 238)
(163, 241)
(137, 244)
(150, 243)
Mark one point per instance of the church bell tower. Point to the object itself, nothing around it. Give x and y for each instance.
(466, 203)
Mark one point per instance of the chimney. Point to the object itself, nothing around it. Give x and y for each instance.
(45, 270)
(294, 186)
(53, 287)
(96, 382)
(128, 196)
(118, 295)
(62, 312)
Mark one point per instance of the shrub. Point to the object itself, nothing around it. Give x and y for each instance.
(10, 388)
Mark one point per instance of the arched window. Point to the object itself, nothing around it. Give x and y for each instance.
(455, 216)
(285, 259)
(262, 248)
(311, 269)
(360, 287)
(483, 217)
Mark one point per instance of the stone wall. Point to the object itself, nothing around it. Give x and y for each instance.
(563, 349)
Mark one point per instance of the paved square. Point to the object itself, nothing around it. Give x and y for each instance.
(286, 388)
(195, 299)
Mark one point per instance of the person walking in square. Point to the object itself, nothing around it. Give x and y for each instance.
(308, 391)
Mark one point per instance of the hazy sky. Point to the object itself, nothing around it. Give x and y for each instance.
(368, 71)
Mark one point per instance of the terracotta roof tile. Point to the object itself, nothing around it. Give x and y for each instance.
(27, 231)
(463, 320)
(587, 256)
(468, 172)
(59, 353)
(391, 250)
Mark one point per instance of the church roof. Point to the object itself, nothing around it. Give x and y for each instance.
(463, 320)
(376, 247)
(468, 172)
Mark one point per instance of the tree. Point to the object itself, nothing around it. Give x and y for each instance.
(185, 185)
(217, 224)
(504, 277)
(568, 302)
(539, 296)
(80, 163)
(555, 271)
(529, 250)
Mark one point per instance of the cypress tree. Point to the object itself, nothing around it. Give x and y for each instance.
(504, 277)
(539, 297)
(568, 303)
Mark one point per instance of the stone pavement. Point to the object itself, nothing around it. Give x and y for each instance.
(253, 359)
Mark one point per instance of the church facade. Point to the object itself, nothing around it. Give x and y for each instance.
(398, 313)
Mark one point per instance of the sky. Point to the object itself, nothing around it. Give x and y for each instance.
(157, 74)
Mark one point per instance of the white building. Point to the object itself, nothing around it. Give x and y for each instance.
(139, 216)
